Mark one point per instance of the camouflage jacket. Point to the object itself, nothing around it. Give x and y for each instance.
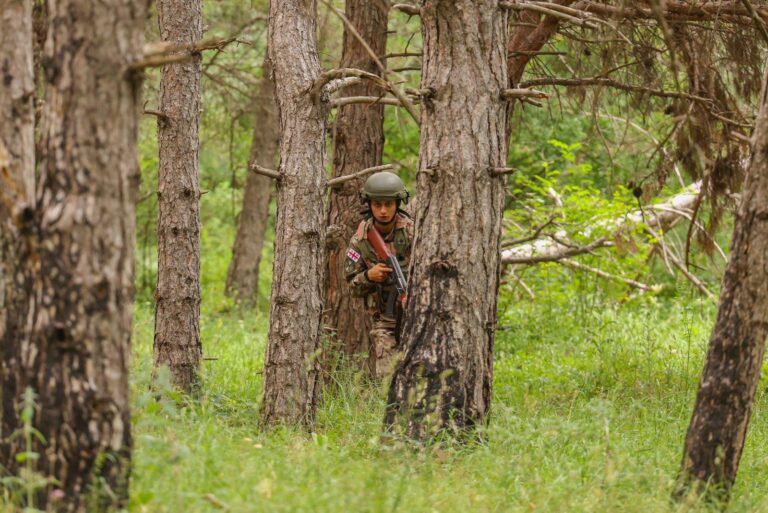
(361, 257)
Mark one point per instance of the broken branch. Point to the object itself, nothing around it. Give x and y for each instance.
(515, 94)
(160, 54)
(410, 10)
(318, 88)
(501, 171)
(350, 100)
(541, 9)
(259, 170)
(335, 182)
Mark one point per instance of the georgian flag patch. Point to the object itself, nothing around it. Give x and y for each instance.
(353, 255)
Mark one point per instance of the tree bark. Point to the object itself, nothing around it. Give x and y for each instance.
(358, 144)
(718, 428)
(17, 172)
(243, 273)
(444, 381)
(290, 373)
(177, 314)
(17, 96)
(71, 341)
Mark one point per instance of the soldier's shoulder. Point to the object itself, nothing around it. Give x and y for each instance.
(362, 229)
(404, 221)
(360, 232)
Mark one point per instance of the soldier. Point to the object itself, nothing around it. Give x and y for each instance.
(384, 193)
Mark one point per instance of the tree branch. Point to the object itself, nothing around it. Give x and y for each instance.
(335, 182)
(608, 82)
(599, 272)
(501, 171)
(410, 10)
(759, 22)
(159, 115)
(325, 77)
(540, 8)
(515, 94)
(259, 170)
(160, 54)
(350, 100)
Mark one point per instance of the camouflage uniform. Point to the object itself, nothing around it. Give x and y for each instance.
(361, 257)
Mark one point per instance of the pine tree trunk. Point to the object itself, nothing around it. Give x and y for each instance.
(358, 144)
(17, 172)
(17, 96)
(444, 381)
(76, 245)
(721, 415)
(290, 371)
(243, 273)
(177, 314)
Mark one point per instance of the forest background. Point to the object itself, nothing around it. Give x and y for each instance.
(594, 377)
(593, 383)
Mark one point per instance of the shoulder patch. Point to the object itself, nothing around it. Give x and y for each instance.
(353, 255)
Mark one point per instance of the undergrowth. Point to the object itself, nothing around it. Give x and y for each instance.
(591, 401)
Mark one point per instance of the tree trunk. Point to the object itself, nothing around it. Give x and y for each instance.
(17, 96)
(177, 314)
(358, 144)
(72, 343)
(17, 172)
(444, 381)
(243, 274)
(718, 427)
(290, 374)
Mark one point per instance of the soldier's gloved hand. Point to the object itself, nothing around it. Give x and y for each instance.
(379, 273)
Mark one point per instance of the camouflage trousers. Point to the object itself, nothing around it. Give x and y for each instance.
(384, 350)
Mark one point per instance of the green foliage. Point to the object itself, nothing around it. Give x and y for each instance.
(21, 490)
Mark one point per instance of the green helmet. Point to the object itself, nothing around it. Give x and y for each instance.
(384, 185)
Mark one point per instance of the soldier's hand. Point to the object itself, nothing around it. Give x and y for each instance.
(379, 273)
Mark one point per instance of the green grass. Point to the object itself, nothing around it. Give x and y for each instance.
(591, 403)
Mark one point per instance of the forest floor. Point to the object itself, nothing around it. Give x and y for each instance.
(591, 403)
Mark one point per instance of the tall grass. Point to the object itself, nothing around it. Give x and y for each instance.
(591, 403)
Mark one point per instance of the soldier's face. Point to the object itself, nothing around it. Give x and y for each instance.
(384, 210)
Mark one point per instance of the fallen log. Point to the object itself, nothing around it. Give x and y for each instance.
(556, 247)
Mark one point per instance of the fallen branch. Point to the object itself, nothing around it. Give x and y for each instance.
(340, 180)
(555, 249)
(563, 253)
(547, 249)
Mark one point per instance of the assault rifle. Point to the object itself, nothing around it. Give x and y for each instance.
(386, 256)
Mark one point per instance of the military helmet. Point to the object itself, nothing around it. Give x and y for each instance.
(384, 185)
